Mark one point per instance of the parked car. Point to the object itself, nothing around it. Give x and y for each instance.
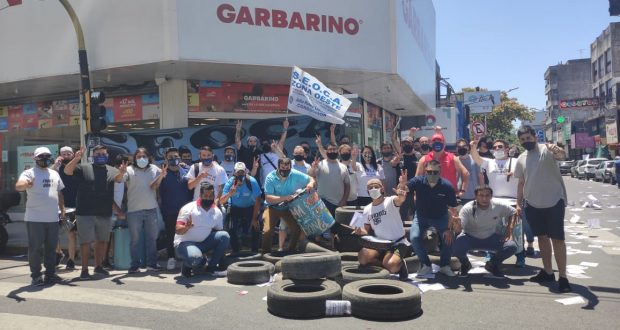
(605, 172)
(586, 171)
(573, 170)
(565, 166)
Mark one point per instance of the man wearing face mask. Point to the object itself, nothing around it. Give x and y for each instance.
(174, 195)
(246, 154)
(69, 193)
(462, 149)
(348, 156)
(279, 187)
(542, 188)
(243, 193)
(390, 173)
(199, 229)
(332, 179)
(206, 171)
(450, 166)
(300, 164)
(485, 146)
(406, 158)
(229, 161)
(43, 189)
(436, 207)
(382, 220)
(425, 146)
(269, 157)
(95, 198)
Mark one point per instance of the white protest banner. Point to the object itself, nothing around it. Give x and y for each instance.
(308, 96)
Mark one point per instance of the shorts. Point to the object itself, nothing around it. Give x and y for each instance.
(94, 228)
(401, 250)
(547, 221)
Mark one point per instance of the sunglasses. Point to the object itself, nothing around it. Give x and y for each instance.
(432, 172)
(499, 146)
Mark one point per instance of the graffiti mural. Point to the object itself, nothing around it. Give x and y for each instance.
(301, 128)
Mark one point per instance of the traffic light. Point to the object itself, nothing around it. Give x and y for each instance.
(95, 111)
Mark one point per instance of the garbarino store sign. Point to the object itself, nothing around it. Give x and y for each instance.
(579, 103)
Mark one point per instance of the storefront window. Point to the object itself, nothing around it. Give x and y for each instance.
(353, 121)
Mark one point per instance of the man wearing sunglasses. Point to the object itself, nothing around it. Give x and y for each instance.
(436, 207)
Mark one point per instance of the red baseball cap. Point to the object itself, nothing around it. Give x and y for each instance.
(438, 136)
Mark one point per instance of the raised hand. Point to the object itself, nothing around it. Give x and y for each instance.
(413, 130)
(79, 153)
(164, 169)
(318, 140)
(256, 162)
(238, 125)
(402, 179)
(332, 128)
(438, 129)
(316, 162)
(285, 123)
(122, 168)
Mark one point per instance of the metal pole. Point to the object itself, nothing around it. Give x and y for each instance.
(84, 74)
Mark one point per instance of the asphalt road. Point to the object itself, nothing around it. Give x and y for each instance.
(165, 301)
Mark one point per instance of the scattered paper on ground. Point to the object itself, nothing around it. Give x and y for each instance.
(595, 246)
(424, 287)
(582, 276)
(589, 264)
(478, 270)
(571, 301)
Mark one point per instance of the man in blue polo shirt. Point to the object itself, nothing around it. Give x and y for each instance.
(280, 185)
(174, 195)
(435, 196)
(243, 193)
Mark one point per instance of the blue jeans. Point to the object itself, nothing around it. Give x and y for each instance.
(465, 242)
(143, 220)
(418, 230)
(42, 238)
(216, 241)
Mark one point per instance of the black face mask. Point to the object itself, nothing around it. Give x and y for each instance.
(299, 158)
(44, 162)
(345, 157)
(284, 173)
(529, 145)
(206, 203)
(332, 155)
(386, 153)
(462, 151)
(407, 148)
(425, 147)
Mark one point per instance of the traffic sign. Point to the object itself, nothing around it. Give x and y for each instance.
(478, 128)
(540, 135)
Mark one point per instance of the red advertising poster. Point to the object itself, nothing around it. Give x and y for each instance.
(15, 118)
(60, 113)
(44, 110)
(128, 108)
(243, 97)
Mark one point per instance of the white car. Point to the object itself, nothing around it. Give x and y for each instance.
(586, 171)
(605, 172)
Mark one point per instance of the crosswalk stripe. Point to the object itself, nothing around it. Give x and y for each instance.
(27, 322)
(117, 298)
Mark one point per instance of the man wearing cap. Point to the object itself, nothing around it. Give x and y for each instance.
(200, 228)
(229, 161)
(450, 165)
(174, 195)
(43, 188)
(382, 220)
(406, 158)
(95, 198)
(243, 193)
(69, 193)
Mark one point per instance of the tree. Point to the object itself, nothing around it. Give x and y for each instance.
(500, 120)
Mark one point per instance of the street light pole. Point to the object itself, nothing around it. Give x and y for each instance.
(84, 74)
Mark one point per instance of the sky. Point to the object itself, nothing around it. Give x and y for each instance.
(502, 44)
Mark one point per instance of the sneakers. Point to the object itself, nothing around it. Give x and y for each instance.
(133, 270)
(49, 279)
(403, 273)
(107, 265)
(465, 268)
(542, 277)
(446, 270)
(186, 271)
(424, 271)
(172, 264)
(100, 270)
(530, 251)
(70, 265)
(520, 260)
(154, 268)
(563, 285)
(493, 269)
(85, 276)
(37, 281)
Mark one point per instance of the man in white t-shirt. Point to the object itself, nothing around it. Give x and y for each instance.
(43, 187)
(382, 220)
(206, 171)
(199, 229)
(480, 219)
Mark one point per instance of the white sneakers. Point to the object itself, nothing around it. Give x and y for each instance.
(424, 271)
(172, 264)
(446, 270)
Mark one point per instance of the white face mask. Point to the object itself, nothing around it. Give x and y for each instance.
(142, 162)
(374, 193)
(499, 154)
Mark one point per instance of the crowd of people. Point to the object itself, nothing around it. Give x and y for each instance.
(474, 199)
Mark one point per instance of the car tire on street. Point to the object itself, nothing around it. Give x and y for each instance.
(310, 247)
(301, 299)
(383, 300)
(358, 273)
(311, 266)
(241, 256)
(344, 214)
(250, 272)
(274, 257)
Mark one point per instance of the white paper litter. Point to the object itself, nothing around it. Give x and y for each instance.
(595, 246)
(575, 271)
(574, 219)
(571, 242)
(592, 198)
(576, 209)
(265, 298)
(605, 229)
(583, 276)
(584, 252)
(571, 301)
(357, 221)
(588, 264)
(424, 287)
(596, 206)
(576, 267)
(585, 204)
(478, 270)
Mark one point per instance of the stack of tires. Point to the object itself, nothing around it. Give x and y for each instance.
(247, 268)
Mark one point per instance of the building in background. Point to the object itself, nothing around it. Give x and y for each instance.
(569, 105)
(170, 65)
(605, 74)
